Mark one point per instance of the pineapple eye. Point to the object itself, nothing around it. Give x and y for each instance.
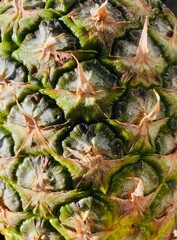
(6, 144)
(41, 174)
(169, 34)
(93, 140)
(9, 197)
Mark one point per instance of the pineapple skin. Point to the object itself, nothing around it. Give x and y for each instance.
(88, 120)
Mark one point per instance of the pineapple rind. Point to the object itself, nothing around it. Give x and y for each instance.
(88, 113)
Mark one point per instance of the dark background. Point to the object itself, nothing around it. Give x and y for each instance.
(172, 4)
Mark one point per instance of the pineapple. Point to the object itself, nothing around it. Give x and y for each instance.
(88, 113)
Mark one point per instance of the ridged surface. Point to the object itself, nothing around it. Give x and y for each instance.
(88, 120)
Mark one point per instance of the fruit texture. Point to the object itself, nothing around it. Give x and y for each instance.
(88, 120)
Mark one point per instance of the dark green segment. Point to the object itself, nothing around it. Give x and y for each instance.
(11, 70)
(92, 140)
(50, 34)
(45, 52)
(96, 34)
(87, 107)
(35, 124)
(10, 197)
(33, 228)
(42, 173)
(60, 5)
(6, 143)
(21, 17)
(170, 79)
(133, 106)
(40, 108)
(83, 216)
(97, 74)
(39, 228)
(125, 180)
(166, 141)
